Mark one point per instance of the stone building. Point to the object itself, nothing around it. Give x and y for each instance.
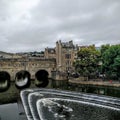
(50, 53)
(65, 53)
(56, 61)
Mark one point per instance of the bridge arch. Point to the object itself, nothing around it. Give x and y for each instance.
(41, 78)
(4, 80)
(22, 79)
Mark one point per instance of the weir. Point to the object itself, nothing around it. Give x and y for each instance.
(50, 104)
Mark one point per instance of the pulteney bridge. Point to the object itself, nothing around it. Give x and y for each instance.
(32, 65)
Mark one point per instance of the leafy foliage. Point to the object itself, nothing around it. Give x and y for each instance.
(89, 59)
(111, 62)
(87, 63)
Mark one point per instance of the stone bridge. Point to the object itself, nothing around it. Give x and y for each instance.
(32, 65)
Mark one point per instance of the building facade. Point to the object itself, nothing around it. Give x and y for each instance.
(65, 56)
(65, 53)
(50, 53)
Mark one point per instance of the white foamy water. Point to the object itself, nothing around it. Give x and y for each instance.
(104, 100)
(57, 110)
(48, 104)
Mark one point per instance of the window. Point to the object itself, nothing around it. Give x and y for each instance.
(68, 56)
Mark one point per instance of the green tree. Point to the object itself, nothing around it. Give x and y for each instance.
(87, 63)
(103, 48)
(111, 62)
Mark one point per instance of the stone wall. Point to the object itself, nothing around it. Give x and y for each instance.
(12, 66)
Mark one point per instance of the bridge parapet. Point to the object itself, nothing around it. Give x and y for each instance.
(32, 65)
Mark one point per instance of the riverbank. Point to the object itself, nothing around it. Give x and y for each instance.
(98, 82)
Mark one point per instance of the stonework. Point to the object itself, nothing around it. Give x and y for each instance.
(12, 66)
(65, 54)
(58, 61)
(50, 53)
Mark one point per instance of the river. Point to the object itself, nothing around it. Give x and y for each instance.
(8, 99)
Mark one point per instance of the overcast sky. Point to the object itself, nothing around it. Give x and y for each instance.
(32, 25)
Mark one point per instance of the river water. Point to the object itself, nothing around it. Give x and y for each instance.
(9, 112)
(50, 104)
(9, 109)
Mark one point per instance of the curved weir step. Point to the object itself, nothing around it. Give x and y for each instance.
(68, 105)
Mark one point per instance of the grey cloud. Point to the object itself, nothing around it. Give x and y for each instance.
(83, 21)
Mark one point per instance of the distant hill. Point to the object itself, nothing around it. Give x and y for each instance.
(4, 55)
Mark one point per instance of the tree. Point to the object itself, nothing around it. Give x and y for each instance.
(111, 62)
(87, 63)
(103, 48)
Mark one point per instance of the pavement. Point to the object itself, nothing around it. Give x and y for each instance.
(97, 82)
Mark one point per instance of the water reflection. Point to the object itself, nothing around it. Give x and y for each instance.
(3, 85)
(41, 78)
(22, 79)
(4, 81)
(12, 93)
